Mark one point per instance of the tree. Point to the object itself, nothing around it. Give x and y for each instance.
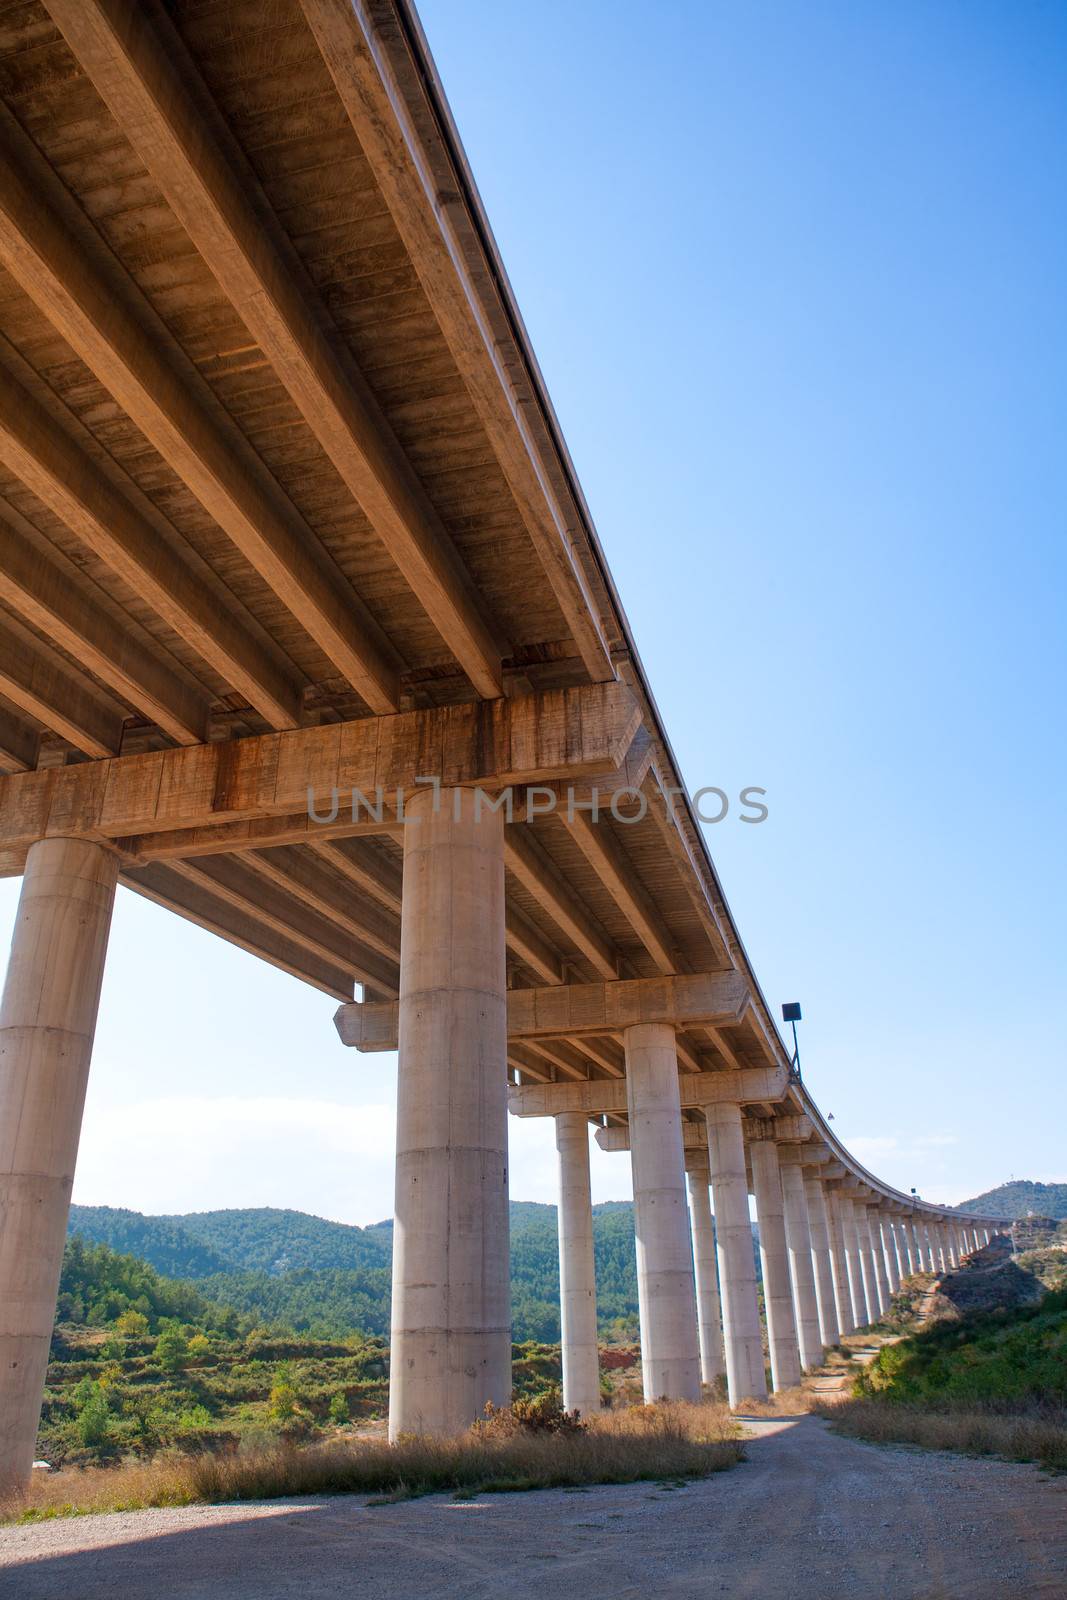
(282, 1395)
(338, 1412)
(199, 1347)
(172, 1347)
(132, 1324)
(93, 1422)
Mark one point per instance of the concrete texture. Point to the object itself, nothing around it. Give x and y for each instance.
(451, 1332)
(822, 1262)
(705, 1269)
(801, 1265)
(774, 1258)
(807, 1517)
(666, 1292)
(577, 1272)
(745, 1374)
(846, 1322)
(47, 1023)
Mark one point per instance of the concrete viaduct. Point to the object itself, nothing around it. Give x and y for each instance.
(306, 635)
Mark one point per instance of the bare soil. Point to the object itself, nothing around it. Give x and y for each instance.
(809, 1516)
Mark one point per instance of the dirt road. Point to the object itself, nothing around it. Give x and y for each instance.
(809, 1516)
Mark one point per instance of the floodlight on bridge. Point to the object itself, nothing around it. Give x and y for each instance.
(791, 1013)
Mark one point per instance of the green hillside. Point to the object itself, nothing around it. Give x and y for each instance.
(1010, 1356)
(331, 1279)
(1018, 1197)
(160, 1241)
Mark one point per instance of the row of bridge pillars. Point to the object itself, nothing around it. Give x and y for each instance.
(825, 1255)
(832, 1253)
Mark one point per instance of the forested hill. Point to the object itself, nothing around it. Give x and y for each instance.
(1015, 1199)
(201, 1243)
(332, 1278)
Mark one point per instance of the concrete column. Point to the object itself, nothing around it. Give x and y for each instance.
(846, 1321)
(666, 1294)
(451, 1325)
(952, 1244)
(903, 1237)
(818, 1223)
(881, 1276)
(874, 1282)
(577, 1274)
(888, 1252)
(709, 1312)
(940, 1248)
(856, 1287)
(929, 1247)
(745, 1373)
(47, 1022)
(917, 1245)
(863, 1247)
(777, 1289)
(801, 1266)
(940, 1253)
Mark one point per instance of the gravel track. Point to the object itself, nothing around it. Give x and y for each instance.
(809, 1516)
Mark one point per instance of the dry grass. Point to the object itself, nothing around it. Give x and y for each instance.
(783, 1403)
(1037, 1435)
(642, 1442)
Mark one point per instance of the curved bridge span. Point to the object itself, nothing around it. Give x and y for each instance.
(306, 635)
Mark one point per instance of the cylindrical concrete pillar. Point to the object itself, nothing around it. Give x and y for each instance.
(952, 1245)
(856, 1287)
(846, 1321)
(881, 1276)
(709, 1313)
(889, 1251)
(777, 1288)
(666, 1293)
(918, 1244)
(47, 1021)
(801, 1266)
(451, 1325)
(745, 1373)
(818, 1223)
(903, 1237)
(941, 1248)
(863, 1247)
(577, 1273)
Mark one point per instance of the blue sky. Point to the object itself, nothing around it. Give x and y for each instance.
(794, 274)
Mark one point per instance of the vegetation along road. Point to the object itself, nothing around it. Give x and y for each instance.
(809, 1516)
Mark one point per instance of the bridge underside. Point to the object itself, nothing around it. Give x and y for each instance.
(289, 530)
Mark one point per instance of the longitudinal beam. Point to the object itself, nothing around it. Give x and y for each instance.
(420, 190)
(196, 903)
(41, 684)
(42, 593)
(55, 254)
(598, 845)
(48, 461)
(524, 858)
(259, 897)
(19, 743)
(570, 1010)
(139, 66)
(487, 743)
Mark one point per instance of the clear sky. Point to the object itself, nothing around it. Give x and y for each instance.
(795, 276)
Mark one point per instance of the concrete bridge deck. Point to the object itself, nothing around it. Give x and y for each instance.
(289, 534)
